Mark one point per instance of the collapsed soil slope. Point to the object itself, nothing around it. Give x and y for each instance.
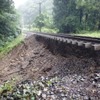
(31, 60)
(25, 61)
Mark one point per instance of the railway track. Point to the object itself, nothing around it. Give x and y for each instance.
(81, 41)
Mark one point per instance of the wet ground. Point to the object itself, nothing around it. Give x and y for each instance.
(41, 75)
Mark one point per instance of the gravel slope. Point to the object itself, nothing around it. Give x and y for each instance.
(68, 78)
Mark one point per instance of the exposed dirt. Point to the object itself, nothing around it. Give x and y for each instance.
(31, 59)
(28, 60)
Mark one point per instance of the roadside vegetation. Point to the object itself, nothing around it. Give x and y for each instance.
(38, 21)
(9, 45)
(90, 33)
(74, 16)
(45, 30)
(10, 33)
(80, 17)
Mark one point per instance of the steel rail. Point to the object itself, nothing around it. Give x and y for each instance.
(74, 37)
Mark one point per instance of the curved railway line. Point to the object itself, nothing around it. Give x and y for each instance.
(86, 42)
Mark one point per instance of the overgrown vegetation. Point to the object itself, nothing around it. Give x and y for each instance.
(44, 23)
(90, 33)
(9, 24)
(62, 16)
(45, 30)
(77, 15)
(8, 19)
(9, 45)
(35, 21)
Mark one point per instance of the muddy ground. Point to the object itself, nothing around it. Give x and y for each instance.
(31, 60)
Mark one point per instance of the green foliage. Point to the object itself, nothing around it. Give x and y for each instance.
(75, 15)
(89, 33)
(7, 87)
(30, 13)
(40, 21)
(9, 45)
(8, 21)
(43, 20)
(45, 30)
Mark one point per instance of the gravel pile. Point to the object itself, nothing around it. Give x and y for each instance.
(70, 87)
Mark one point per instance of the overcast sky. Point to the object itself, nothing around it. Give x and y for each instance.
(19, 2)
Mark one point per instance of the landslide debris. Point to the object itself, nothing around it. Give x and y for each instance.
(44, 76)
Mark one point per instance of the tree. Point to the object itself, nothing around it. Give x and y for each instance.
(64, 15)
(40, 21)
(73, 15)
(8, 19)
(30, 10)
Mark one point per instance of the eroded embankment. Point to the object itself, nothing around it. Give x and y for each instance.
(68, 50)
(78, 70)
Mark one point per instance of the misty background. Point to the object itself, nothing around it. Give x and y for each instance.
(30, 11)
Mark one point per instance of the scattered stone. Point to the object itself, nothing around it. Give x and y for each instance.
(44, 96)
(65, 88)
(39, 93)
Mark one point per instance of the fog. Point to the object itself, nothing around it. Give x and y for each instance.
(19, 2)
(30, 10)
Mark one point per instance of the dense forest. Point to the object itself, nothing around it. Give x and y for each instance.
(8, 21)
(76, 15)
(66, 16)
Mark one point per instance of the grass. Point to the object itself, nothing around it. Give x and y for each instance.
(81, 33)
(90, 33)
(45, 30)
(10, 45)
